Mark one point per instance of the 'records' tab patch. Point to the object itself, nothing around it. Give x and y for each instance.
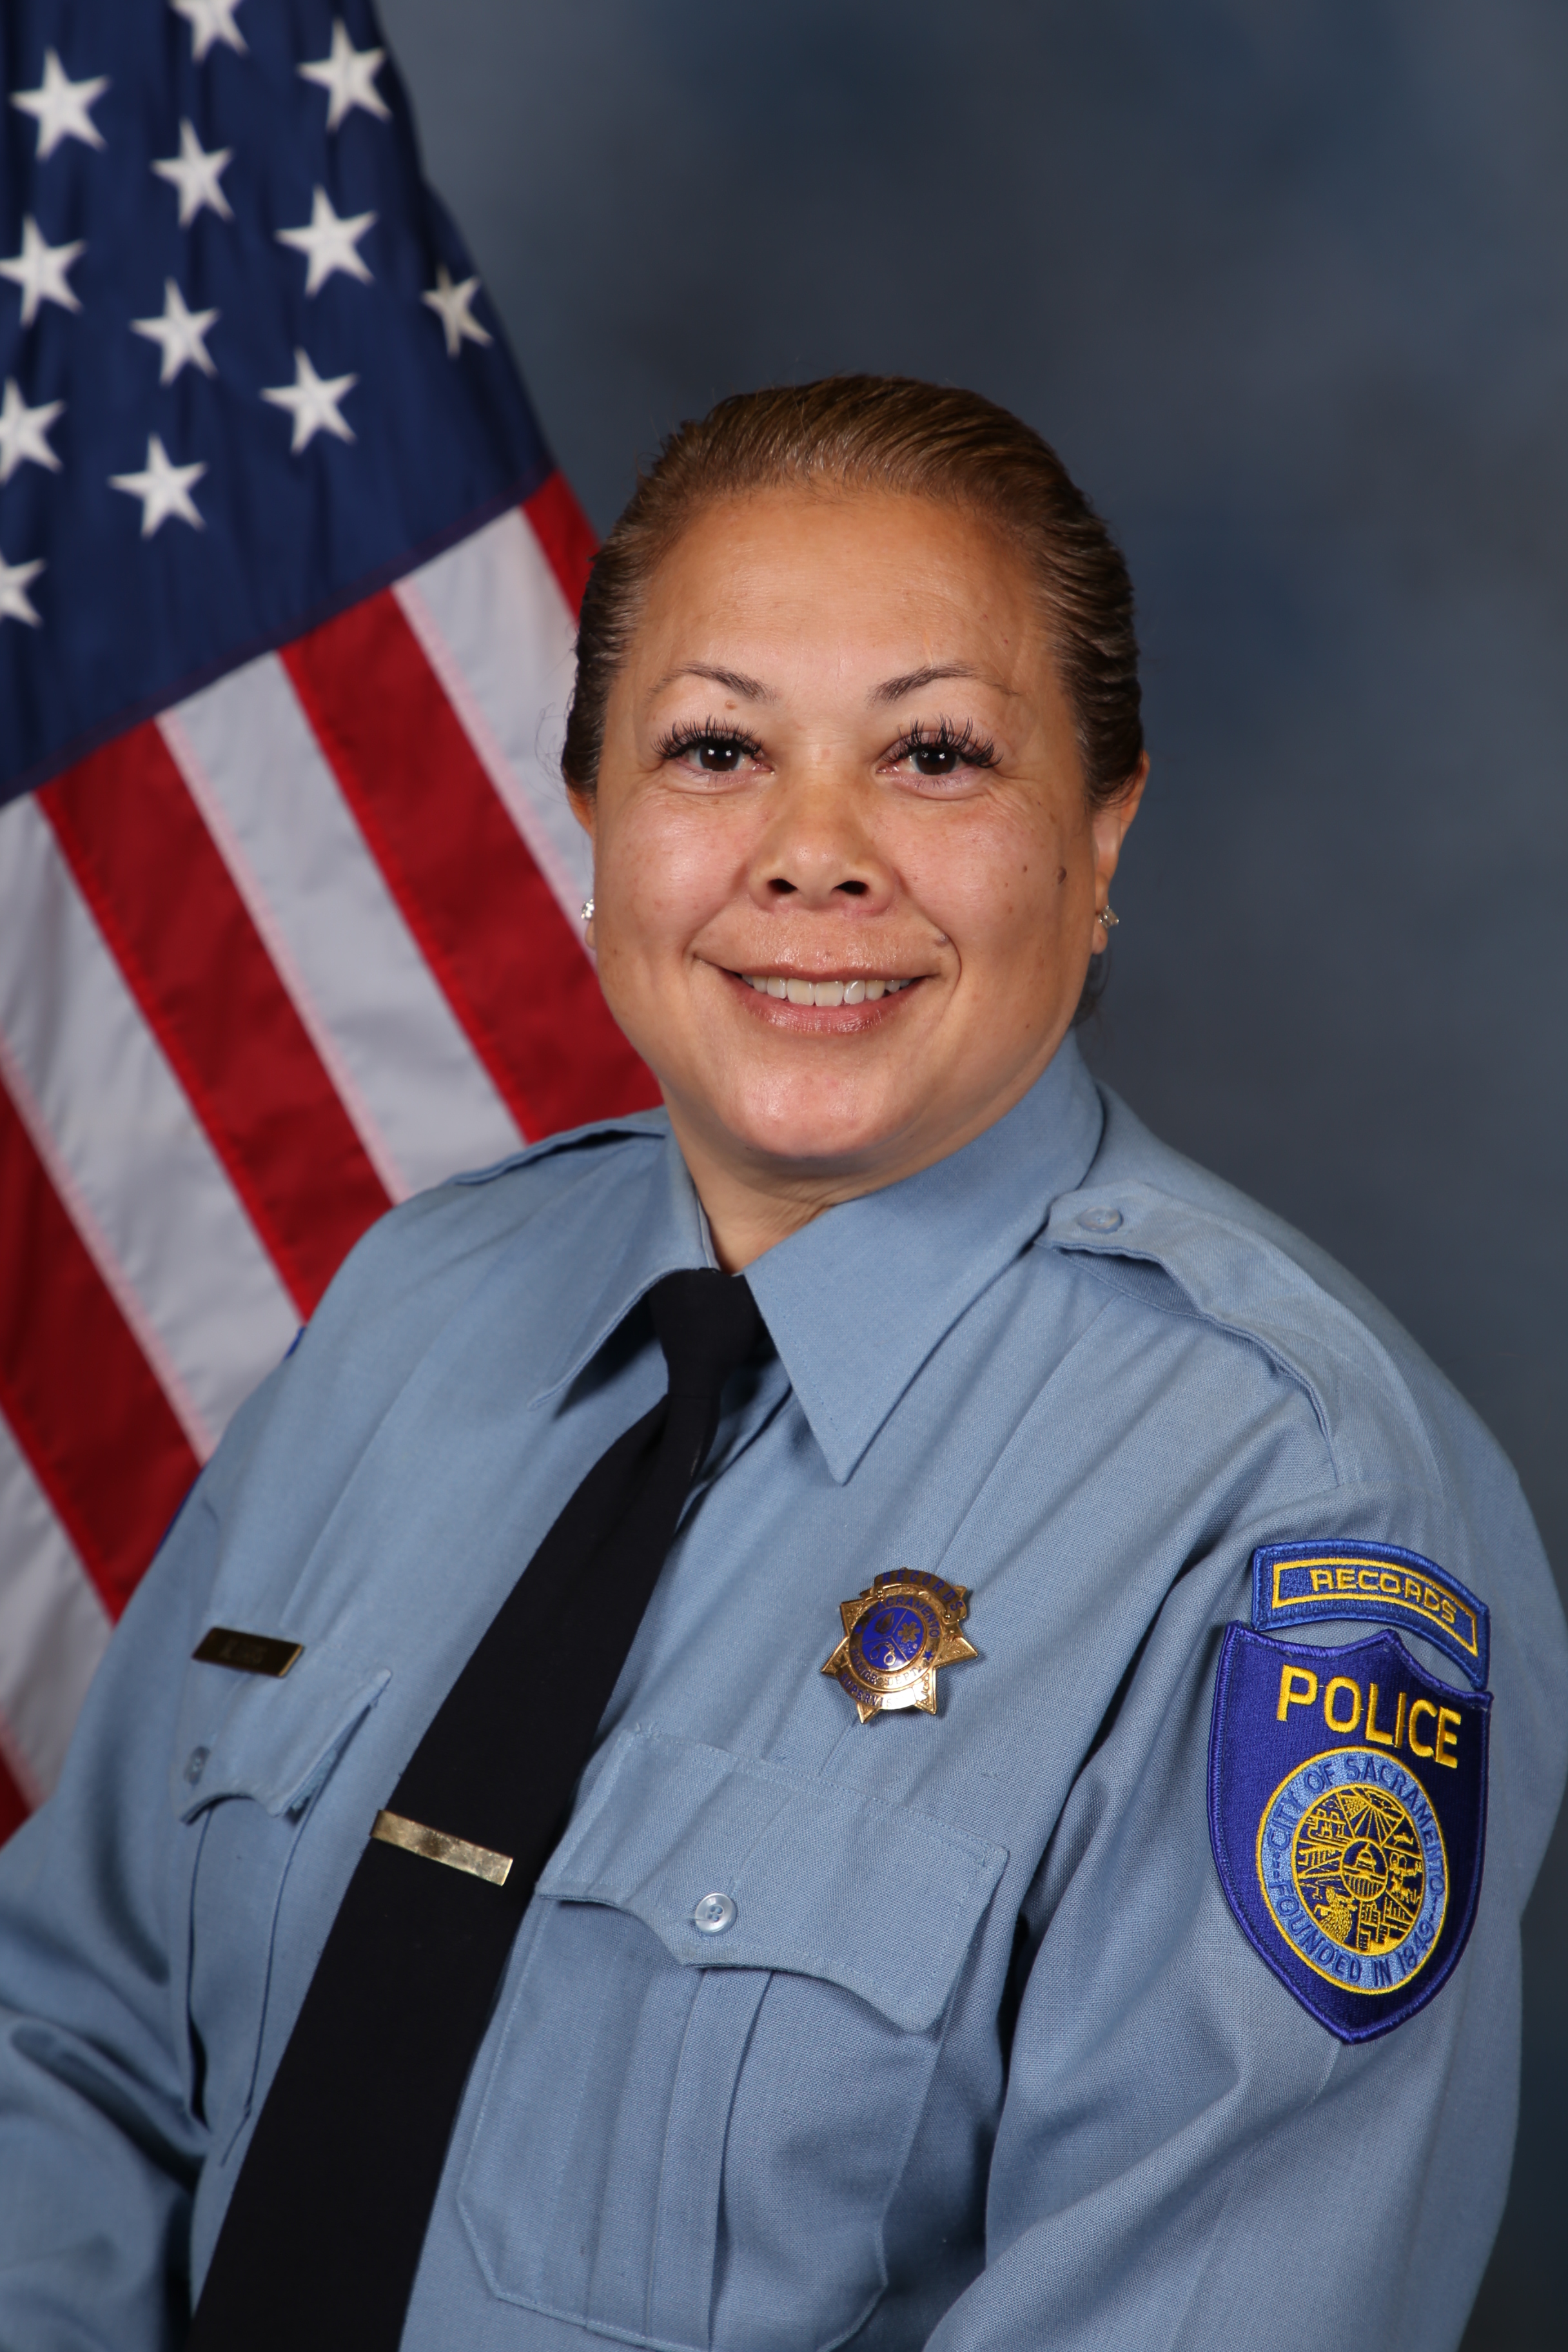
(1298, 1584)
(1347, 1812)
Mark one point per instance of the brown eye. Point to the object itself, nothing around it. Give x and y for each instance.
(718, 758)
(935, 759)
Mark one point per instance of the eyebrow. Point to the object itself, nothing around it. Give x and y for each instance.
(750, 689)
(893, 690)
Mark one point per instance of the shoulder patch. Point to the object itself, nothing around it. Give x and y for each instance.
(1294, 1584)
(1347, 1792)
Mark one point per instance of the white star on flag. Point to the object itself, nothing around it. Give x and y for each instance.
(39, 270)
(23, 432)
(453, 305)
(163, 488)
(194, 172)
(179, 335)
(15, 604)
(210, 21)
(329, 243)
(313, 402)
(59, 106)
(348, 76)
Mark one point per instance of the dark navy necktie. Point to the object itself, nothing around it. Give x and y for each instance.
(323, 2233)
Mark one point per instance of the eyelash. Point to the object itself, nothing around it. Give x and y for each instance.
(964, 743)
(689, 736)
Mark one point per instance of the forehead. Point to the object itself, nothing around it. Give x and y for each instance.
(859, 578)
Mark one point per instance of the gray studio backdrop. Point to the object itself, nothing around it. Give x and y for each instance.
(1286, 283)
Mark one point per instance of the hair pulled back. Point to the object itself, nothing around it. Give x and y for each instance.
(880, 433)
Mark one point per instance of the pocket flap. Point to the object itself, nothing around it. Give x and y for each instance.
(825, 1880)
(274, 1741)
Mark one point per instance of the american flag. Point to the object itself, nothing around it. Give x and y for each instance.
(288, 889)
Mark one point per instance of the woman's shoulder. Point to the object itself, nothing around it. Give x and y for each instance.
(435, 1247)
(1413, 1475)
(1160, 1227)
(520, 1240)
(535, 1226)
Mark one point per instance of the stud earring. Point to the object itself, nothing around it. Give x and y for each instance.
(587, 910)
(1108, 916)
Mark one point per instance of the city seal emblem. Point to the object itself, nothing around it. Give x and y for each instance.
(1347, 1810)
(898, 1634)
(1353, 1872)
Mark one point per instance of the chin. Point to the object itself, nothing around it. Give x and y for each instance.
(818, 1137)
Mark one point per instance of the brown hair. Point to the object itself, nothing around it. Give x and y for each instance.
(887, 432)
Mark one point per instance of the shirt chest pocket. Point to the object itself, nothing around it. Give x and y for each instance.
(720, 2030)
(254, 1755)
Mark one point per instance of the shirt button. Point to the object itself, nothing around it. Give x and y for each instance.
(1100, 1221)
(196, 1764)
(713, 1915)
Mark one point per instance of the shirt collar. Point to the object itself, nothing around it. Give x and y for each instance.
(858, 1300)
(665, 1232)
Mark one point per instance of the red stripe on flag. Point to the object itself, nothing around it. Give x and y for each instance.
(81, 1399)
(191, 956)
(14, 1806)
(565, 534)
(488, 922)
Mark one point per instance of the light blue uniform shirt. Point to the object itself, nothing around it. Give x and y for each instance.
(983, 2058)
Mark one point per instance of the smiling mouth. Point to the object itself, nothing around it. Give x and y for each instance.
(792, 988)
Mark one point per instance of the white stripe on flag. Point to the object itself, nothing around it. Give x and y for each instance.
(421, 1101)
(496, 630)
(125, 1149)
(53, 1628)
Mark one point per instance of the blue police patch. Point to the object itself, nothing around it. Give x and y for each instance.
(1347, 1811)
(1298, 1583)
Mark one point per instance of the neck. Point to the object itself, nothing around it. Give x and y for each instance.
(745, 1217)
(753, 1203)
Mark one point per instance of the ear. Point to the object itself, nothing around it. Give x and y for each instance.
(1109, 823)
(584, 807)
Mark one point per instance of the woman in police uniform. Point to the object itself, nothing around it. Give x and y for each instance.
(1049, 1870)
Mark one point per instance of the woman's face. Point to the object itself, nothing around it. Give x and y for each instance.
(844, 872)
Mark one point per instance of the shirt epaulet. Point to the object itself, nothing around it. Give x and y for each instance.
(1237, 1266)
(647, 1126)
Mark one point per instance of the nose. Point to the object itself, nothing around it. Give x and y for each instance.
(817, 850)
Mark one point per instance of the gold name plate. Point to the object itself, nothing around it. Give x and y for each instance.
(435, 1845)
(246, 1653)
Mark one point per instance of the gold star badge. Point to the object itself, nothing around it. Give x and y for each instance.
(898, 1635)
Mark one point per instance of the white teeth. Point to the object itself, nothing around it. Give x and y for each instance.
(822, 991)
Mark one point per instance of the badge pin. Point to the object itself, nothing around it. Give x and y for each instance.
(898, 1635)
